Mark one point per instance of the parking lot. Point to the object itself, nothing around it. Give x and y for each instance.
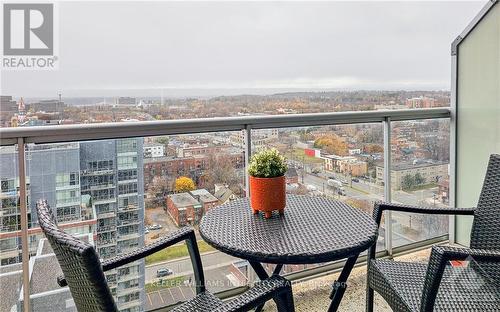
(217, 280)
(160, 217)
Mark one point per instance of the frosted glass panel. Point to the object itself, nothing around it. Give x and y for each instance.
(478, 112)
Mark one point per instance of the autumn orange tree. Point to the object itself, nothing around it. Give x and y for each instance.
(184, 184)
(373, 148)
(332, 143)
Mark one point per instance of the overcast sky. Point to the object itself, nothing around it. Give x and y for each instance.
(139, 48)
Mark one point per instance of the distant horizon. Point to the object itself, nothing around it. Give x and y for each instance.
(216, 92)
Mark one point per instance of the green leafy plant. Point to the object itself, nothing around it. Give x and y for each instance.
(268, 163)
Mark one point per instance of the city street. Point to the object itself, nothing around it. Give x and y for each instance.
(182, 266)
(366, 191)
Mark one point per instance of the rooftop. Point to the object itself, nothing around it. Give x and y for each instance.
(203, 195)
(183, 200)
(398, 166)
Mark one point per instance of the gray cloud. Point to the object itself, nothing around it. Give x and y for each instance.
(107, 47)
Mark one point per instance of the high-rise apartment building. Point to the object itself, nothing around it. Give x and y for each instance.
(112, 177)
(93, 188)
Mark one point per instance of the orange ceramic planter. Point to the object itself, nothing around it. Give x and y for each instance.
(267, 195)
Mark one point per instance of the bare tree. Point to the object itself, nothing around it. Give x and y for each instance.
(158, 189)
(221, 170)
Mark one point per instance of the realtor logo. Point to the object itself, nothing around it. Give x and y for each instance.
(29, 30)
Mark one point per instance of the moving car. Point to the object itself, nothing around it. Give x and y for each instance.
(334, 183)
(164, 272)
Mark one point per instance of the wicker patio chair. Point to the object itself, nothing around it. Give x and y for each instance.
(439, 286)
(84, 273)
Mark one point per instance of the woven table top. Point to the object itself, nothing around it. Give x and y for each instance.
(312, 230)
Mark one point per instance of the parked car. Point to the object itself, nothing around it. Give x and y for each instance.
(164, 272)
(311, 188)
(155, 227)
(146, 231)
(355, 180)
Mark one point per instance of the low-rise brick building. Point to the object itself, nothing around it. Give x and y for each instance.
(171, 168)
(189, 207)
(184, 209)
(430, 172)
(191, 166)
(207, 200)
(348, 165)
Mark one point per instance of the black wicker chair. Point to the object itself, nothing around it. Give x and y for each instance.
(438, 286)
(84, 273)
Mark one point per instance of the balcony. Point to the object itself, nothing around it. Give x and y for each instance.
(106, 228)
(404, 234)
(422, 156)
(106, 215)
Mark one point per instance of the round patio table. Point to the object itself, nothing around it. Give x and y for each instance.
(312, 230)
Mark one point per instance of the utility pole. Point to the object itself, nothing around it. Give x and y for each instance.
(350, 177)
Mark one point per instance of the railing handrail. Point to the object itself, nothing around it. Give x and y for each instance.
(118, 130)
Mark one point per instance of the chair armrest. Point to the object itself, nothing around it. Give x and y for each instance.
(162, 243)
(380, 207)
(263, 291)
(184, 233)
(440, 256)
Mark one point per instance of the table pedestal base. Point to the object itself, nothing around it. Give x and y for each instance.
(339, 286)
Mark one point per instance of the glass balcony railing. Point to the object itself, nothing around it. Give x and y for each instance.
(126, 191)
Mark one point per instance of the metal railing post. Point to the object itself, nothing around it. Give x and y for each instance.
(248, 154)
(387, 184)
(453, 146)
(24, 223)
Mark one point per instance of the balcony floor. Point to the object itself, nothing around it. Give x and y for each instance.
(313, 295)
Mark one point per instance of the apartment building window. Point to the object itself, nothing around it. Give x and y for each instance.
(11, 260)
(67, 213)
(128, 297)
(106, 222)
(129, 243)
(127, 161)
(124, 175)
(101, 180)
(128, 216)
(129, 284)
(67, 196)
(10, 202)
(8, 244)
(100, 165)
(125, 146)
(8, 185)
(124, 202)
(10, 223)
(67, 179)
(104, 194)
(128, 230)
(127, 188)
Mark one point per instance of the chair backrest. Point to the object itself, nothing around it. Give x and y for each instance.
(79, 263)
(485, 227)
